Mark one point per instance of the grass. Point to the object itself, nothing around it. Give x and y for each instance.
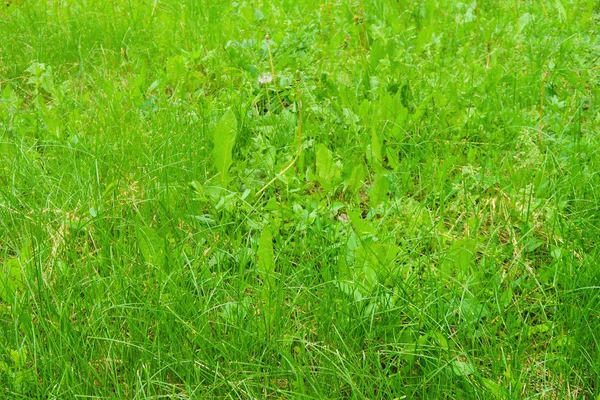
(435, 235)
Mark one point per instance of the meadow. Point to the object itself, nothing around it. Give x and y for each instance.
(334, 199)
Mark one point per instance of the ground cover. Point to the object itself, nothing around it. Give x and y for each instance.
(367, 199)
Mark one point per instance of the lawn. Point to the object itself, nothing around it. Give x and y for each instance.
(372, 199)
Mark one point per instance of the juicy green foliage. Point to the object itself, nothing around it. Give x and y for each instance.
(265, 255)
(327, 171)
(223, 142)
(435, 238)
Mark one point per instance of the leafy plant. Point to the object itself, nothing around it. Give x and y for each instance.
(224, 136)
(328, 171)
(363, 199)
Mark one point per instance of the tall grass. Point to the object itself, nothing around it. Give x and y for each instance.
(435, 237)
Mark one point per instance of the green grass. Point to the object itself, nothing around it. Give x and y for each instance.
(435, 236)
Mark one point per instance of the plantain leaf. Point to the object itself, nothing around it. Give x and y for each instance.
(223, 141)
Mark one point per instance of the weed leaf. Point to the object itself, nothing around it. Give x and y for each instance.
(327, 171)
(375, 150)
(151, 245)
(266, 264)
(462, 368)
(360, 226)
(355, 181)
(10, 280)
(497, 391)
(224, 139)
(379, 190)
(377, 53)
